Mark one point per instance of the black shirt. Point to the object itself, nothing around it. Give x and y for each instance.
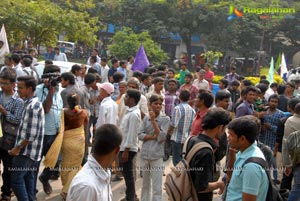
(202, 166)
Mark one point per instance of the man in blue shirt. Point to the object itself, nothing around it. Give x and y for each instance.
(122, 69)
(113, 69)
(48, 93)
(250, 182)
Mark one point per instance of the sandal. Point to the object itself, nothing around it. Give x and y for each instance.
(63, 196)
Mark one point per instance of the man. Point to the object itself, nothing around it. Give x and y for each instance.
(122, 69)
(104, 70)
(95, 53)
(27, 69)
(49, 55)
(59, 56)
(92, 182)
(158, 86)
(68, 82)
(183, 72)
(28, 148)
(11, 108)
(145, 83)
(76, 70)
(271, 120)
(113, 69)
(286, 181)
(129, 147)
(108, 108)
(17, 65)
(250, 182)
(201, 83)
(180, 125)
(230, 77)
(213, 128)
(202, 104)
(272, 90)
(49, 94)
(130, 61)
(189, 86)
(235, 92)
(209, 75)
(95, 65)
(291, 164)
(246, 108)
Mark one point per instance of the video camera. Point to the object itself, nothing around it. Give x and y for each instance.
(54, 78)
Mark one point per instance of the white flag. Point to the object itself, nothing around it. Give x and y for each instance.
(283, 68)
(3, 38)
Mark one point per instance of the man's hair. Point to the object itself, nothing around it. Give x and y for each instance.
(89, 78)
(297, 108)
(122, 62)
(118, 76)
(104, 59)
(135, 94)
(189, 75)
(56, 48)
(9, 74)
(250, 88)
(235, 83)
(68, 76)
(27, 62)
(291, 84)
(224, 82)
(221, 95)
(145, 76)
(244, 126)
(247, 83)
(128, 58)
(133, 80)
(107, 138)
(293, 102)
(262, 87)
(274, 84)
(215, 117)
(273, 96)
(184, 95)
(72, 100)
(172, 80)
(281, 89)
(48, 62)
(94, 58)
(263, 77)
(155, 97)
(29, 81)
(51, 69)
(75, 68)
(92, 70)
(157, 80)
(113, 61)
(161, 68)
(207, 98)
(264, 81)
(16, 58)
(171, 70)
(96, 50)
(137, 74)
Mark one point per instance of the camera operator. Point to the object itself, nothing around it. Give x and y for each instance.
(49, 94)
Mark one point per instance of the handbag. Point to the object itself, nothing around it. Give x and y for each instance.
(9, 128)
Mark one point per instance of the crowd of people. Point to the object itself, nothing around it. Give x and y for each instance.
(123, 114)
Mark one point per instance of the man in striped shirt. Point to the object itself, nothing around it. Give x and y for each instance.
(180, 125)
(28, 148)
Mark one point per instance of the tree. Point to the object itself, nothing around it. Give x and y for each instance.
(126, 43)
(42, 21)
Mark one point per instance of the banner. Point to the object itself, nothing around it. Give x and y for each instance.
(141, 61)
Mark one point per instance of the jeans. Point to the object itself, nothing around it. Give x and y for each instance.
(92, 122)
(23, 178)
(47, 172)
(176, 152)
(6, 175)
(128, 172)
(152, 179)
(295, 192)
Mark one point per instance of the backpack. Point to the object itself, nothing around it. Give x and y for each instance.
(273, 193)
(293, 146)
(179, 185)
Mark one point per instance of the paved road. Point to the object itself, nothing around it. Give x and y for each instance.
(118, 188)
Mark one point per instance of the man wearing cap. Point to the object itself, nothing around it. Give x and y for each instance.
(108, 109)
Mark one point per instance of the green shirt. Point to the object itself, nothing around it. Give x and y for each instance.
(182, 75)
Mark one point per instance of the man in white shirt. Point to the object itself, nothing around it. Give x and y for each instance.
(129, 147)
(272, 90)
(92, 182)
(96, 54)
(59, 56)
(201, 83)
(104, 70)
(108, 109)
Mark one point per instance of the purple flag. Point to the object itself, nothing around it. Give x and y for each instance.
(141, 61)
